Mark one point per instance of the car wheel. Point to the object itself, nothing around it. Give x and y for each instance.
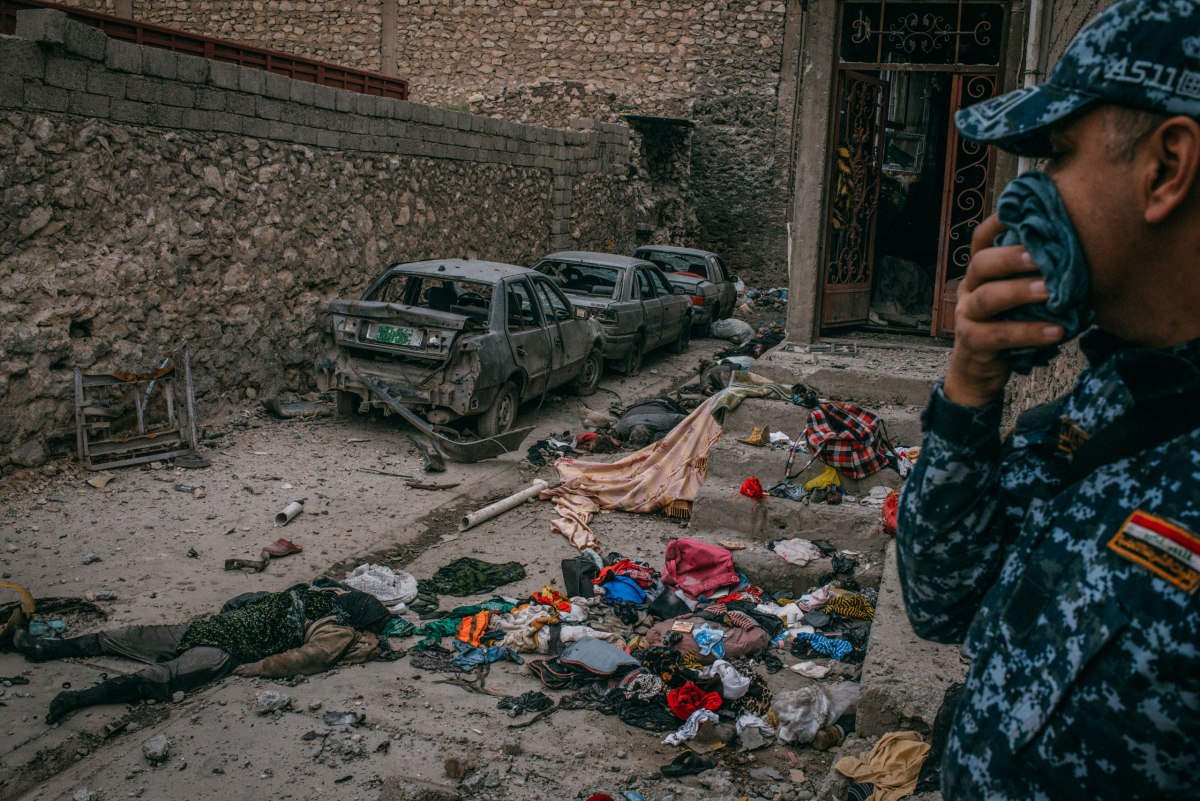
(633, 359)
(347, 403)
(589, 374)
(502, 413)
(685, 338)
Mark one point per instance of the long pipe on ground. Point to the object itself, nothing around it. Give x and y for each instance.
(503, 505)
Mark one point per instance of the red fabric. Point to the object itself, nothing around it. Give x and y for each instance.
(687, 699)
(698, 568)
(644, 576)
(752, 488)
(552, 597)
(887, 517)
(849, 439)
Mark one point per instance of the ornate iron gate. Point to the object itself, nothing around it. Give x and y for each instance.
(964, 39)
(852, 200)
(964, 200)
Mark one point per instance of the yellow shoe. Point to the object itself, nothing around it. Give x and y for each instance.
(757, 437)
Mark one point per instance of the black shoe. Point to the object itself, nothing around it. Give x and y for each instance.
(37, 649)
(120, 690)
(686, 764)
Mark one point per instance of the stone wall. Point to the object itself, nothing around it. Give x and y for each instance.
(347, 32)
(717, 62)
(148, 198)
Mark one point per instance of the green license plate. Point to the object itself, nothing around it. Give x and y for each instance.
(394, 334)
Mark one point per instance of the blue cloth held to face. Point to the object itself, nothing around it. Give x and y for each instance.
(1034, 216)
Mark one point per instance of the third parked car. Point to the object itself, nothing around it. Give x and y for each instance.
(631, 298)
(701, 273)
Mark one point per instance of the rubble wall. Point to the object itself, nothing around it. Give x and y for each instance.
(148, 198)
(347, 32)
(716, 62)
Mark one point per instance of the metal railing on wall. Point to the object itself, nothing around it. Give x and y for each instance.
(144, 33)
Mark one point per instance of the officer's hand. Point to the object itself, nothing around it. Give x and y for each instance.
(249, 669)
(997, 279)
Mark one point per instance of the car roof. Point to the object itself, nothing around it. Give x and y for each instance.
(592, 257)
(469, 269)
(682, 251)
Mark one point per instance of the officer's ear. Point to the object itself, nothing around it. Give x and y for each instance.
(1171, 158)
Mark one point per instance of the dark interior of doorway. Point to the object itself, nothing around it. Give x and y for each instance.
(912, 186)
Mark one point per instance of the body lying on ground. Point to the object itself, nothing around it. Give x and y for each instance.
(303, 630)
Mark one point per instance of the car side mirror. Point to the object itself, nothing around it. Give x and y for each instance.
(733, 279)
(678, 290)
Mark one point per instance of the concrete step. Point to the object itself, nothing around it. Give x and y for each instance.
(903, 422)
(721, 513)
(904, 677)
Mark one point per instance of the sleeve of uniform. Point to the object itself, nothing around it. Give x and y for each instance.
(949, 537)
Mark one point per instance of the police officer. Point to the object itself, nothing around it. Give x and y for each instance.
(1066, 558)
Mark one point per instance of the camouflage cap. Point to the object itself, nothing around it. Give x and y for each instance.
(1143, 54)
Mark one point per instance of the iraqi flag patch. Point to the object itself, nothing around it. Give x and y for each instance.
(1164, 548)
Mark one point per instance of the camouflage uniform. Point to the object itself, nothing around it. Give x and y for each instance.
(1084, 639)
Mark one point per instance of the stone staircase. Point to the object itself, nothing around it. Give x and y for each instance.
(903, 677)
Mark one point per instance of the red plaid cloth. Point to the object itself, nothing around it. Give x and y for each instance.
(848, 439)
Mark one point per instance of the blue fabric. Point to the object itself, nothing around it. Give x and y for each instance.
(838, 649)
(1034, 216)
(709, 640)
(470, 658)
(623, 588)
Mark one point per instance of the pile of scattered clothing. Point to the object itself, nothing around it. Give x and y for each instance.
(677, 651)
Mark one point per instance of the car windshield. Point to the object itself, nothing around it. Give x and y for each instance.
(675, 262)
(575, 278)
(472, 299)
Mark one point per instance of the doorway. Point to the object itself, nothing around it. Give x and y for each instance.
(904, 191)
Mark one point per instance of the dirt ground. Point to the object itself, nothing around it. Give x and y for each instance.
(159, 538)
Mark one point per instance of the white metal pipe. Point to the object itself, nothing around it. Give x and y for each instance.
(1033, 60)
(503, 505)
(290, 511)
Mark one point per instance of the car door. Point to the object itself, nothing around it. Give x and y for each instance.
(566, 337)
(675, 307)
(652, 306)
(530, 341)
(724, 282)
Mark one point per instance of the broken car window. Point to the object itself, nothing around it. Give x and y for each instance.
(582, 279)
(675, 262)
(470, 298)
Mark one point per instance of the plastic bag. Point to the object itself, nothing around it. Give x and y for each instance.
(802, 713)
(389, 586)
(737, 331)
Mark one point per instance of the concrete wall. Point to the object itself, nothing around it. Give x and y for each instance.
(718, 62)
(148, 198)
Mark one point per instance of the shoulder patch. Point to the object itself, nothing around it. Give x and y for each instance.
(1164, 548)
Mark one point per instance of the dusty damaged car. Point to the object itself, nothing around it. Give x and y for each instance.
(458, 339)
(702, 273)
(634, 301)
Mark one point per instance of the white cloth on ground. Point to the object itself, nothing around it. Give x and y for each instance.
(810, 669)
(798, 552)
(389, 586)
(753, 731)
(733, 684)
(802, 713)
(790, 614)
(692, 727)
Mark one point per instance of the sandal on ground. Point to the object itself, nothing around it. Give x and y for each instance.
(686, 764)
(282, 547)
